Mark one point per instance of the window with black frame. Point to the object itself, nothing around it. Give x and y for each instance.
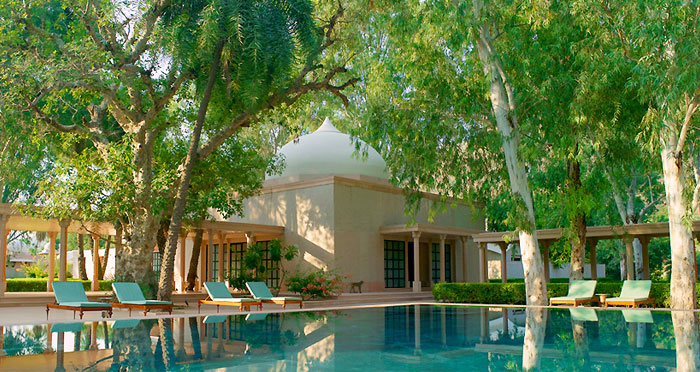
(235, 262)
(215, 262)
(157, 261)
(271, 267)
(435, 253)
(394, 264)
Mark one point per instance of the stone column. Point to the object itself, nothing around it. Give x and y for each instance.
(416, 262)
(630, 257)
(52, 261)
(63, 254)
(49, 339)
(594, 259)
(183, 256)
(442, 257)
(484, 324)
(3, 253)
(483, 263)
(95, 262)
(93, 336)
(202, 263)
(416, 325)
(545, 257)
(210, 255)
(221, 257)
(645, 256)
(463, 264)
(504, 274)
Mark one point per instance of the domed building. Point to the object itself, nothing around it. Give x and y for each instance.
(338, 207)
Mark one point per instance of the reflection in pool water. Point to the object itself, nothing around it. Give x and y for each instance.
(414, 338)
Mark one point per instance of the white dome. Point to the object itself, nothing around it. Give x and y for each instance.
(328, 151)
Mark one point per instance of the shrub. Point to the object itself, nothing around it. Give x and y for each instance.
(316, 284)
(39, 284)
(254, 269)
(514, 293)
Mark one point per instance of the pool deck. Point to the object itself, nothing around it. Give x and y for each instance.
(30, 308)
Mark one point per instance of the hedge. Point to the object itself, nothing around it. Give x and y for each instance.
(557, 280)
(39, 284)
(514, 293)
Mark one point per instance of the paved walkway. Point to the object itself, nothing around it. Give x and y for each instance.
(187, 306)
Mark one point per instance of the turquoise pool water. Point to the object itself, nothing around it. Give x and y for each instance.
(401, 338)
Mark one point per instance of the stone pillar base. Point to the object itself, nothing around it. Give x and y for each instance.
(416, 286)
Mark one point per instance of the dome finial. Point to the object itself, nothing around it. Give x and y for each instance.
(327, 126)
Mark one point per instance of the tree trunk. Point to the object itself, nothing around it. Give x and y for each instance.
(81, 257)
(638, 259)
(167, 341)
(682, 252)
(194, 336)
(104, 261)
(582, 360)
(629, 258)
(578, 244)
(685, 328)
(165, 286)
(504, 108)
(136, 258)
(533, 343)
(194, 260)
(623, 263)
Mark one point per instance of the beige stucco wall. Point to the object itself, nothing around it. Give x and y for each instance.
(336, 226)
(360, 212)
(307, 217)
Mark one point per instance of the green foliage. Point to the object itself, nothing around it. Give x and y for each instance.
(39, 284)
(316, 284)
(514, 293)
(253, 266)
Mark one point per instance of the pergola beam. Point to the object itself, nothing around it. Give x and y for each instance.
(649, 230)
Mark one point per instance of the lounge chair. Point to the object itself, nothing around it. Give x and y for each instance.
(634, 293)
(583, 314)
(215, 319)
(130, 296)
(219, 295)
(71, 296)
(580, 292)
(260, 291)
(66, 327)
(638, 316)
(125, 323)
(257, 317)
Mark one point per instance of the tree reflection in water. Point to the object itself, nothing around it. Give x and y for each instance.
(134, 347)
(685, 327)
(535, 327)
(582, 360)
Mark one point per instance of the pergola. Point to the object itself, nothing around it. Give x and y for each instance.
(644, 232)
(425, 232)
(216, 231)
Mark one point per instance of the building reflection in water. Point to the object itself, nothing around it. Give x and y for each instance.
(391, 338)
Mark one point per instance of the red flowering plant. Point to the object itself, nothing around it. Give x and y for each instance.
(317, 284)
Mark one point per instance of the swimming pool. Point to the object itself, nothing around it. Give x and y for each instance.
(411, 338)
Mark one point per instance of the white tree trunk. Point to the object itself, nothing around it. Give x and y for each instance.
(638, 259)
(535, 329)
(504, 107)
(685, 328)
(682, 252)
